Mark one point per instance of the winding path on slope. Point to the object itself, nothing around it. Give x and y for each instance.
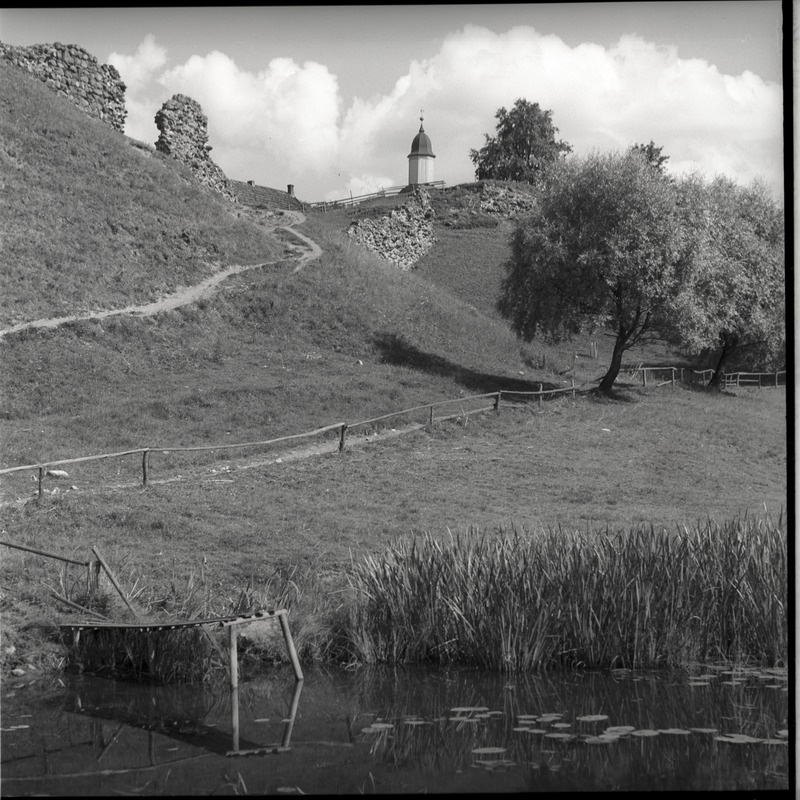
(310, 251)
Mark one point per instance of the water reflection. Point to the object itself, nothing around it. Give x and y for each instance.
(404, 731)
(186, 714)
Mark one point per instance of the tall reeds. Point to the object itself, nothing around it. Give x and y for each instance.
(514, 601)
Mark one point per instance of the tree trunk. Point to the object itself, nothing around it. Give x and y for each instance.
(728, 346)
(607, 383)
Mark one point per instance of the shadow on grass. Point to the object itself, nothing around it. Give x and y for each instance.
(397, 351)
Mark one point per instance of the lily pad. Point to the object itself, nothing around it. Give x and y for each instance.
(600, 739)
(592, 718)
(488, 751)
(676, 731)
(562, 725)
(704, 730)
(468, 709)
(644, 732)
(739, 738)
(619, 729)
(562, 736)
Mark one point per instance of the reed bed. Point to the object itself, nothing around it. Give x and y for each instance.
(513, 601)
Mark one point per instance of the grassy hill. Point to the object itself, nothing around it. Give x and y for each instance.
(92, 220)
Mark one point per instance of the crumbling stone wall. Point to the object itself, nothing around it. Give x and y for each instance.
(402, 237)
(505, 201)
(184, 136)
(72, 72)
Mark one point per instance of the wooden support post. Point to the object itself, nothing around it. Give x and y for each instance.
(287, 731)
(572, 381)
(234, 658)
(430, 417)
(145, 459)
(41, 477)
(497, 402)
(673, 377)
(541, 396)
(342, 435)
(287, 637)
(234, 714)
(114, 582)
(644, 377)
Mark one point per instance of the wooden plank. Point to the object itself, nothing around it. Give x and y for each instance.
(193, 623)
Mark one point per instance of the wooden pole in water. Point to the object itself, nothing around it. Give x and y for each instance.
(234, 658)
(287, 731)
(234, 711)
(287, 637)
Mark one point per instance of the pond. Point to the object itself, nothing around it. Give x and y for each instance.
(374, 730)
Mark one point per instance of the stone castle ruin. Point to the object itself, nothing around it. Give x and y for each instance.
(75, 74)
(402, 237)
(184, 136)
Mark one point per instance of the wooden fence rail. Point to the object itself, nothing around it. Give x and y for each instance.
(675, 373)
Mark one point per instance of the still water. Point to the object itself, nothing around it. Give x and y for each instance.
(409, 730)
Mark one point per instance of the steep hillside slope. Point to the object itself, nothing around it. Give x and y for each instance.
(90, 221)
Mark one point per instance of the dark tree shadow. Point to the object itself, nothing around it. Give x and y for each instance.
(397, 351)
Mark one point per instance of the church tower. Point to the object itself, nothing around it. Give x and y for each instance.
(420, 159)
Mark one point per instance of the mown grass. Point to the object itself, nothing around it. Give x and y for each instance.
(289, 531)
(91, 222)
(275, 353)
(515, 601)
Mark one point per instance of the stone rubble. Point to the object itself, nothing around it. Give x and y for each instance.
(402, 237)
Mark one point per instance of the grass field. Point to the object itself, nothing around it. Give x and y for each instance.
(275, 353)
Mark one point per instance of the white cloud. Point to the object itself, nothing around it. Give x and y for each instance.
(288, 123)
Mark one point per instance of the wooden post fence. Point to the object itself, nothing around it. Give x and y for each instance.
(342, 436)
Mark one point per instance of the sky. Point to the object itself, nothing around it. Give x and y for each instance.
(328, 98)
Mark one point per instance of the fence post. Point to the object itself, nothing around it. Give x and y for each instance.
(673, 377)
(776, 380)
(497, 402)
(145, 464)
(342, 436)
(541, 396)
(644, 377)
(572, 382)
(430, 416)
(41, 476)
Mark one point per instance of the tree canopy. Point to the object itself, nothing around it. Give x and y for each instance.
(732, 274)
(652, 155)
(524, 145)
(598, 252)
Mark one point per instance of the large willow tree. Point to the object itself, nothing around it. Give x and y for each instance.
(732, 298)
(599, 252)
